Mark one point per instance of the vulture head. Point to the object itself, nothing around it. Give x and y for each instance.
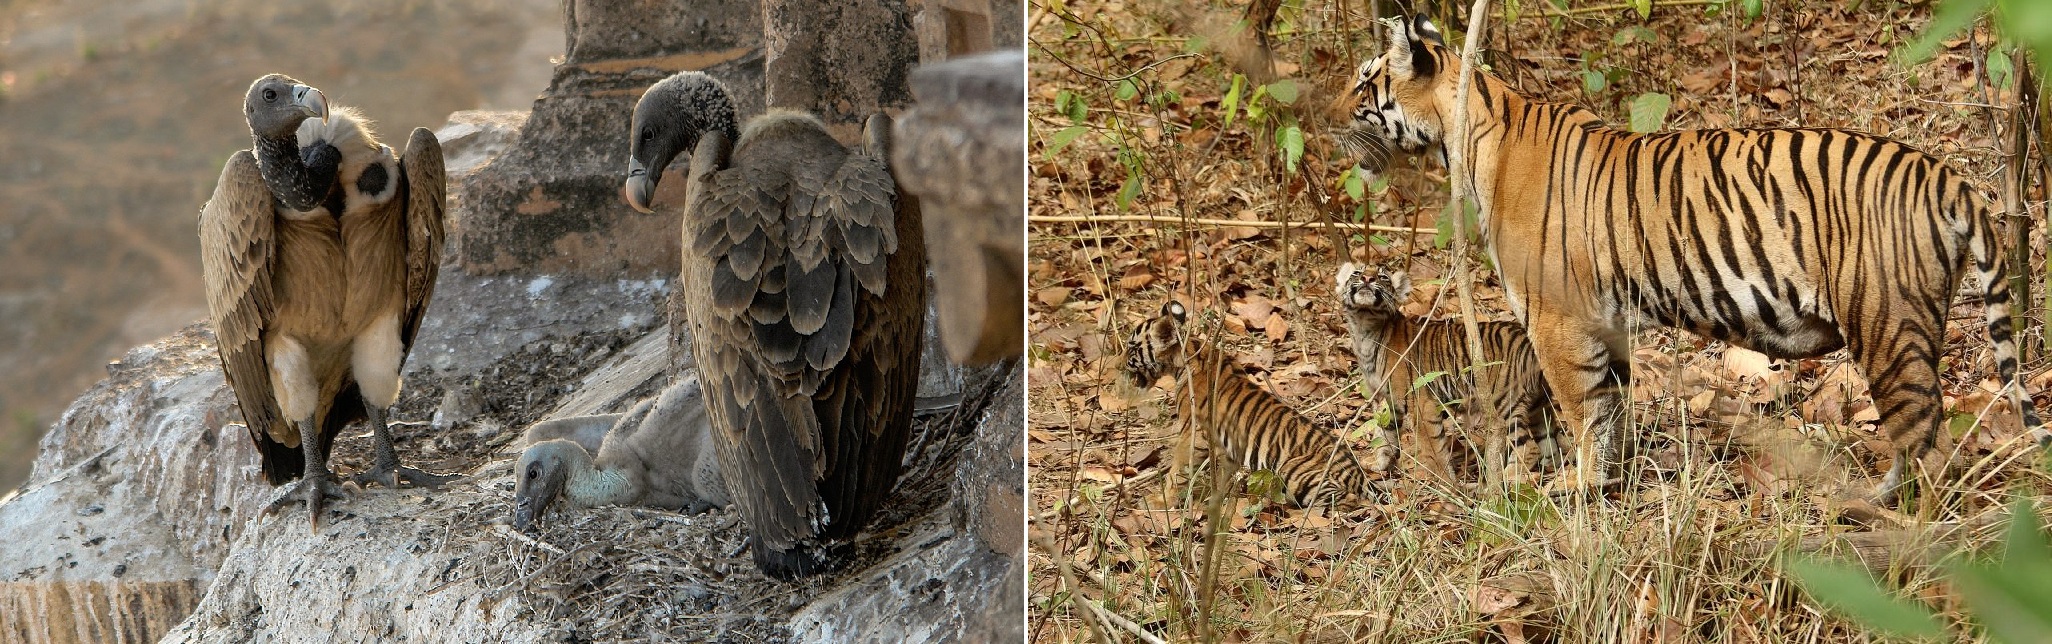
(670, 119)
(276, 105)
(543, 473)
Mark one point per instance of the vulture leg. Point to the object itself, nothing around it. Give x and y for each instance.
(318, 484)
(386, 470)
(375, 361)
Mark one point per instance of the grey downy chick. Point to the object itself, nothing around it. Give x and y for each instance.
(658, 454)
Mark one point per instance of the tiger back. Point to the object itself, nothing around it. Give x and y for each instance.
(1790, 242)
(1255, 429)
(1506, 397)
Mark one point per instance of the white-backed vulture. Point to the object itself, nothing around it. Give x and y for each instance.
(804, 290)
(658, 454)
(319, 250)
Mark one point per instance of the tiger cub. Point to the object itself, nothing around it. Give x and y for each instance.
(1258, 431)
(1507, 396)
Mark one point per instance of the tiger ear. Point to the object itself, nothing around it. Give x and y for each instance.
(1400, 282)
(1175, 310)
(1408, 57)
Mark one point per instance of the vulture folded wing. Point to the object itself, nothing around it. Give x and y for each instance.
(237, 248)
(765, 441)
(424, 184)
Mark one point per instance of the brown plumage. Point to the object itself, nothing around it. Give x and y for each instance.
(319, 249)
(804, 272)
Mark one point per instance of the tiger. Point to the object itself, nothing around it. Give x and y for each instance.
(1505, 395)
(1256, 429)
(1793, 242)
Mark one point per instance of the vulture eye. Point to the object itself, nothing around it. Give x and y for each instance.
(647, 134)
(270, 95)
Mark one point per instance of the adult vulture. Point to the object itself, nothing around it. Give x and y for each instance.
(319, 249)
(804, 278)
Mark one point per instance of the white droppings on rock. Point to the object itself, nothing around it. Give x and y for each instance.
(535, 288)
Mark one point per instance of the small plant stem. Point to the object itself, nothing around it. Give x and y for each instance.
(1201, 221)
(1459, 149)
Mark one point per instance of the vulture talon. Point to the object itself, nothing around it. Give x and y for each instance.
(314, 489)
(391, 476)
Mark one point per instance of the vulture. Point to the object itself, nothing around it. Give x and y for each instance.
(804, 290)
(319, 250)
(657, 454)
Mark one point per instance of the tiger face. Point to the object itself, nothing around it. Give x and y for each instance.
(1157, 346)
(1372, 290)
(1394, 97)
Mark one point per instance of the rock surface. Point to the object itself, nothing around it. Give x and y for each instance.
(551, 204)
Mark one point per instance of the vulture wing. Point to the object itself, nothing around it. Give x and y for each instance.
(237, 251)
(865, 358)
(423, 184)
(733, 219)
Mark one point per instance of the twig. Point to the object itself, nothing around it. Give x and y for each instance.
(1047, 545)
(1123, 623)
(1546, 10)
(1137, 479)
(508, 531)
(1202, 221)
(1461, 164)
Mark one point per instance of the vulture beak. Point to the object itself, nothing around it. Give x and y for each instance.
(311, 101)
(640, 187)
(530, 503)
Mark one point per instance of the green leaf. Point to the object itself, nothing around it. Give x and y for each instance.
(1426, 379)
(1949, 18)
(1752, 8)
(1361, 212)
(1510, 11)
(2015, 608)
(1356, 189)
(1291, 140)
(1444, 226)
(1062, 139)
(1593, 81)
(1851, 592)
(1644, 7)
(1380, 183)
(1284, 91)
(1232, 98)
(1128, 89)
(1649, 110)
(1129, 191)
(1078, 111)
(2000, 70)
(1380, 240)
(1062, 99)
(1255, 109)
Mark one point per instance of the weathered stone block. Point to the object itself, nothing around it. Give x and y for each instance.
(961, 150)
(551, 204)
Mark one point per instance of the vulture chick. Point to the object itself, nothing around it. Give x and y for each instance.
(319, 249)
(658, 454)
(804, 287)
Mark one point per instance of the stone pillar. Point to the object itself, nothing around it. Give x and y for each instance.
(842, 60)
(552, 204)
(961, 150)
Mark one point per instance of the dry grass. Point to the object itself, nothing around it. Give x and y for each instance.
(1736, 463)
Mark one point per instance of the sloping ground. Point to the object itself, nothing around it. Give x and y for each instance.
(1741, 457)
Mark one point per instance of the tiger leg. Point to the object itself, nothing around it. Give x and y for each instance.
(1591, 380)
(1434, 453)
(1386, 454)
(1899, 358)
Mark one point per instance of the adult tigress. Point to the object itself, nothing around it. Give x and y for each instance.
(1790, 242)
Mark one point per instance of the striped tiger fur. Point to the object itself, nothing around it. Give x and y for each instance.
(1506, 397)
(1257, 430)
(1790, 242)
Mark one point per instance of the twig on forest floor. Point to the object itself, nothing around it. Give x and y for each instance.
(1137, 479)
(1202, 221)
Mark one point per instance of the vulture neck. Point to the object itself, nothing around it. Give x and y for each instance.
(593, 485)
(290, 179)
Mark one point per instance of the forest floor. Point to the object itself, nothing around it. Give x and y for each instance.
(1136, 113)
